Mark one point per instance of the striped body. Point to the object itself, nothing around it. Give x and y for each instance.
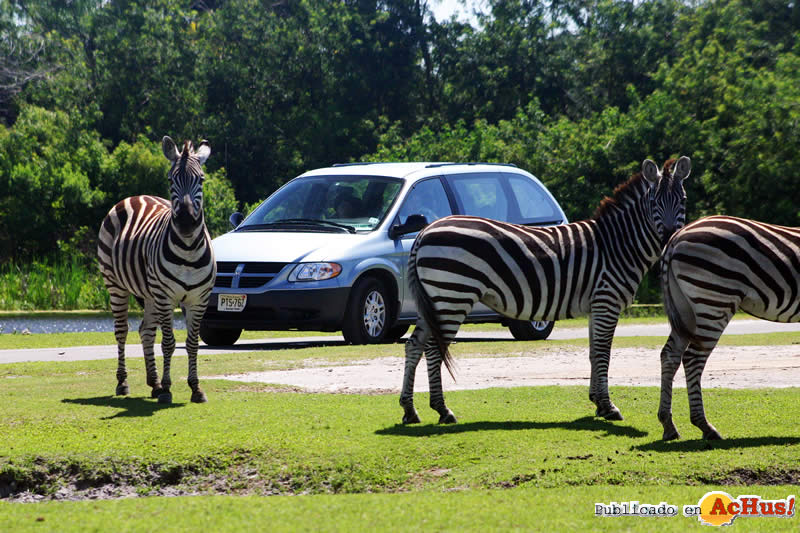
(525, 273)
(160, 252)
(712, 268)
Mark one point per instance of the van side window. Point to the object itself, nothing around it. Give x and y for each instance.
(427, 198)
(533, 202)
(481, 195)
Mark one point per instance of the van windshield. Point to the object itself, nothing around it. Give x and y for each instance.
(327, 204)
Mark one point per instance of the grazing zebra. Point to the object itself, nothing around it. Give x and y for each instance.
(590, 267)
(712, 268)
(160, 251)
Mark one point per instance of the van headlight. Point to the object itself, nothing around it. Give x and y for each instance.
(315, 271)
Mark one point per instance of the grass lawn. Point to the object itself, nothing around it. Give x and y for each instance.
(521, 508)
(528, 457)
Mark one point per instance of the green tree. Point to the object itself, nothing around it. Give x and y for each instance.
(219, 202)
(302, 84)
(49, 172)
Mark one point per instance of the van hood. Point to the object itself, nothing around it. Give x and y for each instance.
(285, 246)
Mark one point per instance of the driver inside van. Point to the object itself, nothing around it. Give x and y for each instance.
(347, 205)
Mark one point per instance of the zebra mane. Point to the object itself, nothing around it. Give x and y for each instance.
(187, 148)
(631, 190)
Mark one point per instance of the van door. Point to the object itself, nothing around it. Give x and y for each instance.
(482, 194)
(427, 198)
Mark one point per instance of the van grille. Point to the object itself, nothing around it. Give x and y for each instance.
(250, 276)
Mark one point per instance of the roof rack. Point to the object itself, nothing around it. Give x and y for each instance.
(429, 165)
(435, 165)
(361, 163)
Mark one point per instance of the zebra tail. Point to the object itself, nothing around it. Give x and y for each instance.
(679, 311)
(426, 309)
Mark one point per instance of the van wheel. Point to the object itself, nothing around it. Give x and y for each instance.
(219, 336)
(366, 320)
(531, 330)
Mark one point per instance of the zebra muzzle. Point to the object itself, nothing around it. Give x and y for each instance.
(188, 205)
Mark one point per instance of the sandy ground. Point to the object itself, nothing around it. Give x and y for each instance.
(735, 367)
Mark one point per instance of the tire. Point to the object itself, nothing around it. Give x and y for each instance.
(367, 318)
(219, 336)
(396, 332)
(531, 330)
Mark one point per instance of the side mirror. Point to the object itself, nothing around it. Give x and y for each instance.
(412, 224)
(236, 219)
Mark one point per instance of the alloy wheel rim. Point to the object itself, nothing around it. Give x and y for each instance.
(374, 313)
(540, 325)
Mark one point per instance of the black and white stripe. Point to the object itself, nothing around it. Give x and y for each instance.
(590, 267)
(712, 268)
(160, 251)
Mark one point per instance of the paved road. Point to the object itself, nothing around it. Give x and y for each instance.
(78, 353)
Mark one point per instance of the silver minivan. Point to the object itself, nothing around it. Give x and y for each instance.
(328, 251)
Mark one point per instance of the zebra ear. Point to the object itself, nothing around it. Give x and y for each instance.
(169, 148)
(650, 171)
(203, 151)
(682, 168)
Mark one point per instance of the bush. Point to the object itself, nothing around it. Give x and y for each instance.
(57, 283)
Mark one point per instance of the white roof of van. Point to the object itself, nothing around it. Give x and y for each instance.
(398, 170)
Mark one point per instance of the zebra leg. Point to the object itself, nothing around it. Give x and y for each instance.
(670, 361)
(602, 323)
(164, 394)
(414, 347)
(147, 332)
(193, 314)
(694, 361)
(119, 309)
(434, 359)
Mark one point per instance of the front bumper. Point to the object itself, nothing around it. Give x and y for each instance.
(310, 309)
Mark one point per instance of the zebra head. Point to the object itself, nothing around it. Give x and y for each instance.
(666, 195)
(186, 183)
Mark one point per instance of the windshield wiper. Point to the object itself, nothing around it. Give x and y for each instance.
(300, 221)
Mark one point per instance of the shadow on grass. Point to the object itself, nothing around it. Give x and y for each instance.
(300, 344)
(587, 423)
(130, 406)
(700, 445)
(268, 345)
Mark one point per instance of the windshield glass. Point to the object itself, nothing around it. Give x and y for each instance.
(325, 203)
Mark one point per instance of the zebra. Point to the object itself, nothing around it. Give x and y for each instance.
(160, 251)
(712, 268)
(547, 273)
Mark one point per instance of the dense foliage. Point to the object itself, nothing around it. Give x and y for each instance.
(577, 91)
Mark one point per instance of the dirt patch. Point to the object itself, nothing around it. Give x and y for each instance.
(746, 476)
(731, 367)
(45, 480)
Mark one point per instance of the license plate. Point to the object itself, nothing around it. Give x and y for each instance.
(231, 302)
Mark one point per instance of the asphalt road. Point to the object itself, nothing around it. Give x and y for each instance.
(79, 353)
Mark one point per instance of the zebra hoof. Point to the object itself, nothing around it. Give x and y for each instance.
(612, 413)
(158, 391)
(671, 435)
(712, 434)
(123, 390)
(448, 418)
(165, 397)
(199, 396)
(411, 419)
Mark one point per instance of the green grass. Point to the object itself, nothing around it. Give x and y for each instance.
(351, 443)
(529, 457)
(525, 508)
